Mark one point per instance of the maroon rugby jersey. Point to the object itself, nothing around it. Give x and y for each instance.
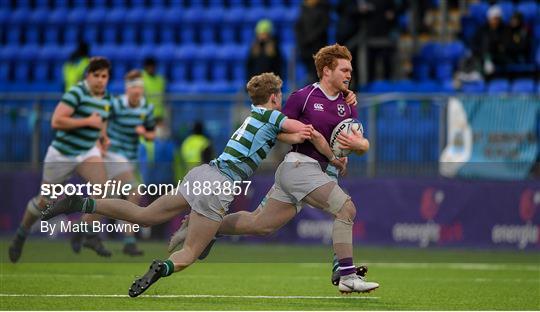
(311, 105)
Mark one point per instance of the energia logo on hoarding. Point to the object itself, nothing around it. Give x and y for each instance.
(429, 232)
(524, 234)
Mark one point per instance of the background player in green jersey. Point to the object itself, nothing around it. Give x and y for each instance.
(131, 116)
(79, 120)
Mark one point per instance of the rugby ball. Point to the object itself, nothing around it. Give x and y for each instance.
(346, 127)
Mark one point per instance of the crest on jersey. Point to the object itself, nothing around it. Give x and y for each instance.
(341, 110)
(142, 116)
(107, 108)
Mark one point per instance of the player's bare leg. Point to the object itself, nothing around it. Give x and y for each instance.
(31, 215)
(161, 210)
(264, 221)
(92, 170)
(330, 197)
(269, 216)
(200, 232)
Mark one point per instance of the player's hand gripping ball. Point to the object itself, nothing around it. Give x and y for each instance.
(346, 127)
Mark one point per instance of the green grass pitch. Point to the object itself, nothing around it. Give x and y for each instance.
(270, 277)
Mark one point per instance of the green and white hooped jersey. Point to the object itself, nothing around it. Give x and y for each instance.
(250, 143)
(122, 123)
(77, 141)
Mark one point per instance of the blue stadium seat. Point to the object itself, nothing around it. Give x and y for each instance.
(55, 24)
(498, 86)
(81, 5)
(473, 87)
(122, 4)
(403, 86)
(170, 23)
(42, 4)
(191, 19)
(469, 26)
(277, 3)
(7, 54)
(277, 15)
(286, 34)
(176, 4)
(131, 26)
(523, 86)
(530, 11)
(236, 3)
(256, 3)
(478, 11)
(444, 70)
(428, 52)
(98, 4)
(16, 21)
(428, 86)
(166, 52)
(232, 23)
(113, 25)
(292, 14)
(93, 22)
(179, 71)
(108, 51)
(23, 62)
(35, 26)
(60, 4)
(507, 9)
(116, 86)
(421, 69)
(219, 68)
(447, 86)
(220, 4)
(538, 90)
(72, 35)
(452, 51)
(76, 17)
(221, 87)
(380, 86)
(49, 57)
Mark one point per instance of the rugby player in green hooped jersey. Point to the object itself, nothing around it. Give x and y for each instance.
(80, 121)
(131, 116)
(206, 189)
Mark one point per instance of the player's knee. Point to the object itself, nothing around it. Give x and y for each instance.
(347, 211)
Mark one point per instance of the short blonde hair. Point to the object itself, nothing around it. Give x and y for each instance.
(329, 55)
(132, 75)
(260, 87)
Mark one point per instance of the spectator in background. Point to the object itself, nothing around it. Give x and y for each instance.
(195, 150)
(518, 40)
(154, 86)
(73, 70)
(264, 55)
(311, 30)
(377, 21)
(492, 48)
(469, 71)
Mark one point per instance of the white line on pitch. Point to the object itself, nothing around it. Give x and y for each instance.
(188, 296)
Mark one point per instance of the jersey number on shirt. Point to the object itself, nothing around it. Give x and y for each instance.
(240, 132)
